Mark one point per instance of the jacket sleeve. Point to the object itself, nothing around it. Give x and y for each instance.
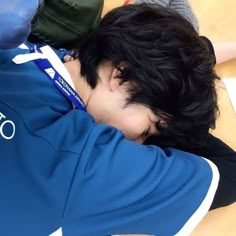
(121, 187)
(183, 7)
(15, 19)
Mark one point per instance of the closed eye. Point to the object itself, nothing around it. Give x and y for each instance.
(146, 132)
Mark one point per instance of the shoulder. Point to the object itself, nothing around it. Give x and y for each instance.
(144, 184)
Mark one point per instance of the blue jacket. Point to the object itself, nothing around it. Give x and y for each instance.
(60, 170)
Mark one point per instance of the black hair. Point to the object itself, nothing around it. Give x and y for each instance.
(166, 63)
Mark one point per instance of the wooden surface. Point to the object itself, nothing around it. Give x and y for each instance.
(216, 20)
(110, 4)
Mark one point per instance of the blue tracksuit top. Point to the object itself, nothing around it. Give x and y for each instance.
(60, 172)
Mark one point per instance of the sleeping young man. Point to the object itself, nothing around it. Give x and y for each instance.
(69, 168)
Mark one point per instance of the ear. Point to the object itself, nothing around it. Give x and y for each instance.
(68, 58)
(115, 81)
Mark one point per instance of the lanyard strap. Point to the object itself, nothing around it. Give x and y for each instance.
(60, 83)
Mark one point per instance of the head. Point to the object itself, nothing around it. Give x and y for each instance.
(149, 60)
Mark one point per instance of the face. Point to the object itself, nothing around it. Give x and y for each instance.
(107, 104)
(137, 122)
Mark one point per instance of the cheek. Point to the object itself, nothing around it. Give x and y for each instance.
(132, 128)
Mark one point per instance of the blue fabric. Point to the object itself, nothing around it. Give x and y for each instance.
(60, 169)
(15, 19)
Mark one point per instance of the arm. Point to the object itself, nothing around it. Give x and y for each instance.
(123, 187)
(224, 51)
(15, 18)
(217, 222)
(224, 158)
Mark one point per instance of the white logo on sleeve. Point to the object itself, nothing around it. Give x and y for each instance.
(7, 127)
(57, 233)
